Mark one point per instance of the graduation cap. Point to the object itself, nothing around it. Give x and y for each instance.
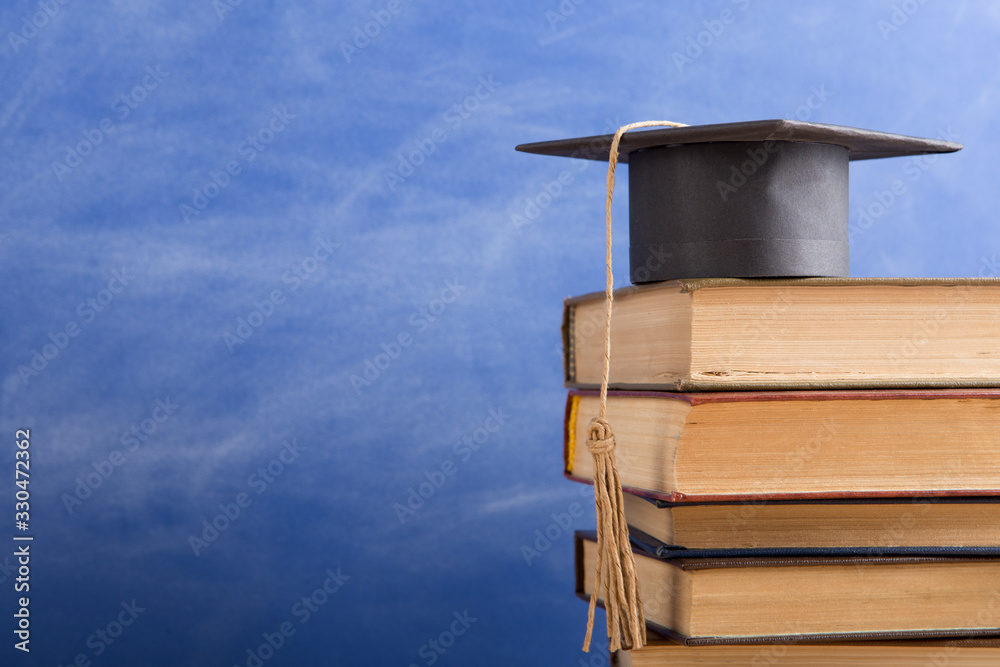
(758, 199)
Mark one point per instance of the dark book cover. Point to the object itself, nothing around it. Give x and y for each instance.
(719, 559)
(644, 543)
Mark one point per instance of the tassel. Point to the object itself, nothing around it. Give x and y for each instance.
(615, 571)
(615, 564)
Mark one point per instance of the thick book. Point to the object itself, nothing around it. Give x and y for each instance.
(802, 445)
(664, 652)
(766, 600)
(729, 334)
(952, 526)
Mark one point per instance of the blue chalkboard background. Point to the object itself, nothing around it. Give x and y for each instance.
(281, 304)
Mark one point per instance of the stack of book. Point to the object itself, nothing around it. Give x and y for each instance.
(811, 466)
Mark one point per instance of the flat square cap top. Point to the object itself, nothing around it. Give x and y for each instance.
(862, 144)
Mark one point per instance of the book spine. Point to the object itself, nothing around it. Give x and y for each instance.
(569, 354)
(569, 432)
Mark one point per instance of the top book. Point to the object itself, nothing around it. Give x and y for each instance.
(814, 333)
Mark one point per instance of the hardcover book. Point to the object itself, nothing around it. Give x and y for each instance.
(855, 527)
(664, 652)
(810, 598)
(804, 445)
(819, 333)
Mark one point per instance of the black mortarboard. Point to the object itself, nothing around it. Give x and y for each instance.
(759, 199)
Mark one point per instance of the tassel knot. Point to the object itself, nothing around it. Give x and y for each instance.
(600, 439)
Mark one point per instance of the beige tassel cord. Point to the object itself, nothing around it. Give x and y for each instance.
(615, 563)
